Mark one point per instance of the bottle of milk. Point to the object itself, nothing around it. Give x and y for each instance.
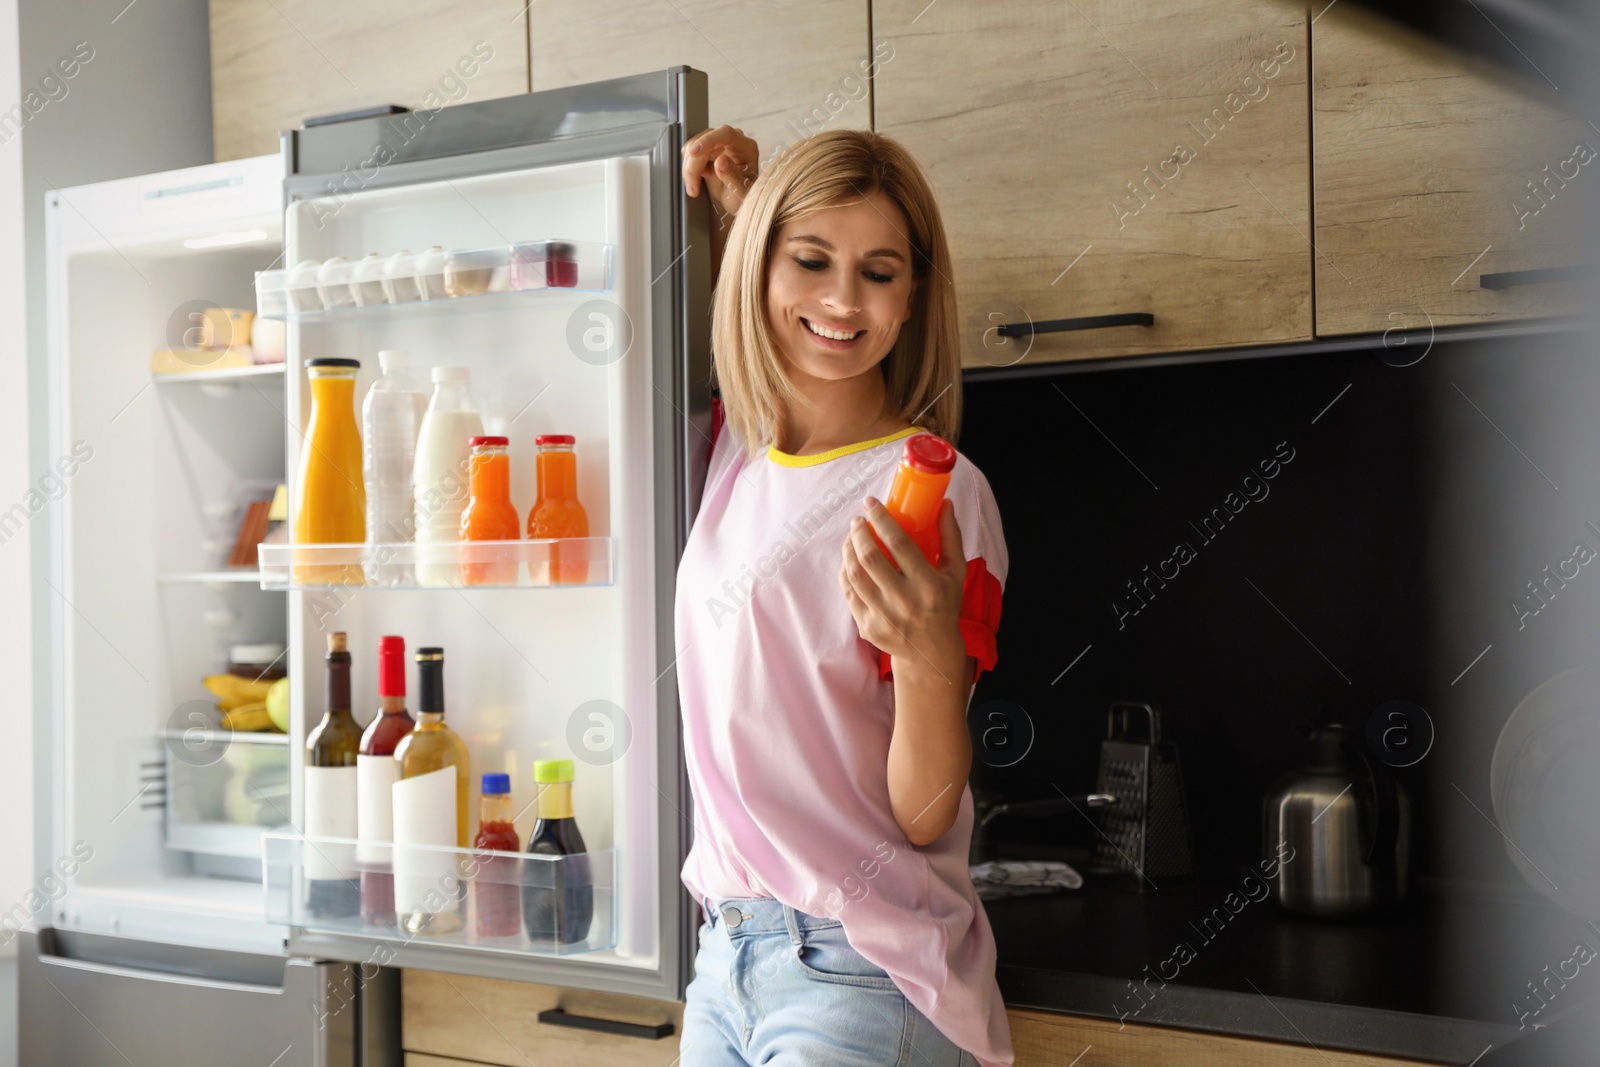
(440, 476)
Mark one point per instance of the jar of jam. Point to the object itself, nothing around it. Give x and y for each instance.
(544, 265)
(259, 663)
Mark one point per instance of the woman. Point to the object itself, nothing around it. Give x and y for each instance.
(824, 688)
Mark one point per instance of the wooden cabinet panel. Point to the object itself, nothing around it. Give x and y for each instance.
(779, 71)
(275, 62)
(1111, 156)
(488, 1020)
(1432, 170)
(1048, 1039)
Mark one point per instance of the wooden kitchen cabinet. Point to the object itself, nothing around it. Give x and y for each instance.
(450, 1018)
(276, 62)
(779, 71)
(1432, 170)
(1110, 157)
(1051, 1039)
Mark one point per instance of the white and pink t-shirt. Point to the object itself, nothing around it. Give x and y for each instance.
(788, 713)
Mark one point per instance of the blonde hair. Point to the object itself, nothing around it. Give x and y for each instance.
(922, 372)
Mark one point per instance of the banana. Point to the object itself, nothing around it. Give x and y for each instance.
(233, 692)
(248, 718)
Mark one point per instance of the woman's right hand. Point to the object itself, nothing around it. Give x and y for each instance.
(725, 162)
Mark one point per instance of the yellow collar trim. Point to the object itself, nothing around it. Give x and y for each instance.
(788, 460)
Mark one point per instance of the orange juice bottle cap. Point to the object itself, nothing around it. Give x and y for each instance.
(929, 454)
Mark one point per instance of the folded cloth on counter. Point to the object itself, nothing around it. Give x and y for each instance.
(1020, 878)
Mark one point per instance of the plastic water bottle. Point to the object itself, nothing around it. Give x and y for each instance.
(389, 435)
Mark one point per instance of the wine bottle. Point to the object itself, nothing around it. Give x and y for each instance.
(330, 795)
(376, 772)
(430, 808)
(558, 894)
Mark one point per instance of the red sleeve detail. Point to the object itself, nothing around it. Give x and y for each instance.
(980, 620)
(716, 420)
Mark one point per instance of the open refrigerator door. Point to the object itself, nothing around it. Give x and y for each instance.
(164, 424)
(543, 243)
(159, 441)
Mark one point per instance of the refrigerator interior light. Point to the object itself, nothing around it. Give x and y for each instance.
(227, 239)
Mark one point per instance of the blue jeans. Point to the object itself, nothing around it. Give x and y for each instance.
(776, 986)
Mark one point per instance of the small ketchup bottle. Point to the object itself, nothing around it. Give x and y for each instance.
(498, 896)
(918, 492)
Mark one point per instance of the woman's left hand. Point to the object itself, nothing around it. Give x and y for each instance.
(912, 613)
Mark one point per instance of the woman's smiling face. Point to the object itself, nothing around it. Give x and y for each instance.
(839, 286)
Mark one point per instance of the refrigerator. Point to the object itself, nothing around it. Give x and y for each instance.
(572, 278)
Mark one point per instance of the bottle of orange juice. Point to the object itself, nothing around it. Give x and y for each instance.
(489, 515)
(918, 491)
(332, 505)
(556, 511)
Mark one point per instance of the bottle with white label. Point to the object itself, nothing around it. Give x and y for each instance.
(376, 773)
(430, 808)
(442, 476)
(330, 795)
(390, 418)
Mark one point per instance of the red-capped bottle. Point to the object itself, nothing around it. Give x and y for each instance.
(917, 494)
(556, 512)
(490, 515)
(376, 772)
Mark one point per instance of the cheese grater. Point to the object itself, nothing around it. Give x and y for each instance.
(1144, 835)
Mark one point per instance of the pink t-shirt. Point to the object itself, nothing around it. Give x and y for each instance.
(788, 713)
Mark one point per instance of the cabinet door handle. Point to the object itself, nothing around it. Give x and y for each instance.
(649, 1032)
(1090, 322)
(1509, 278)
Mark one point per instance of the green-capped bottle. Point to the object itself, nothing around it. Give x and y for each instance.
(558, 895)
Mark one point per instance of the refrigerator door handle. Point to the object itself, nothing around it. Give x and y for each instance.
(114, 971)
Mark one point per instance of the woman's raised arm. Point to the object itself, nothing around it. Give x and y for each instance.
(724, 162)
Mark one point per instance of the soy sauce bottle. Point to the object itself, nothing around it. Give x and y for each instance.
(557, 895)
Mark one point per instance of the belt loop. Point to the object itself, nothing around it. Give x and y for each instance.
(793, 925)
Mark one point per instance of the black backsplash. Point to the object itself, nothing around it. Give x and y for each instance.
(1322, 589)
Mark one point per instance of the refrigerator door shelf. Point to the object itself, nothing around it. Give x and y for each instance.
(553, 563)
(204, 374)
(426, 895)
(438, 283)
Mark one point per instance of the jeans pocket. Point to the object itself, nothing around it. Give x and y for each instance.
(826, 956)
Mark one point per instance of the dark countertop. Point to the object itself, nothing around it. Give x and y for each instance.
(1436, 981)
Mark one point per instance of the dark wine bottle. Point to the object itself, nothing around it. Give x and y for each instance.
(557, 895)
(330, 796)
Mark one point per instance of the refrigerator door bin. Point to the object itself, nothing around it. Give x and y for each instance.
(551, 563)
(433, 284)
(507, 901)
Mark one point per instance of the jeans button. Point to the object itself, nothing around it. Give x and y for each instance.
(732, 916)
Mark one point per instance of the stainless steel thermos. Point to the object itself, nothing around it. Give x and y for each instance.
(1341, 827)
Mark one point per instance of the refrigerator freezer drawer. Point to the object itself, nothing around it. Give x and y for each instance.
(84, 1001)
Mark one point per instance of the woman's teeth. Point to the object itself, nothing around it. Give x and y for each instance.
(833, 335)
